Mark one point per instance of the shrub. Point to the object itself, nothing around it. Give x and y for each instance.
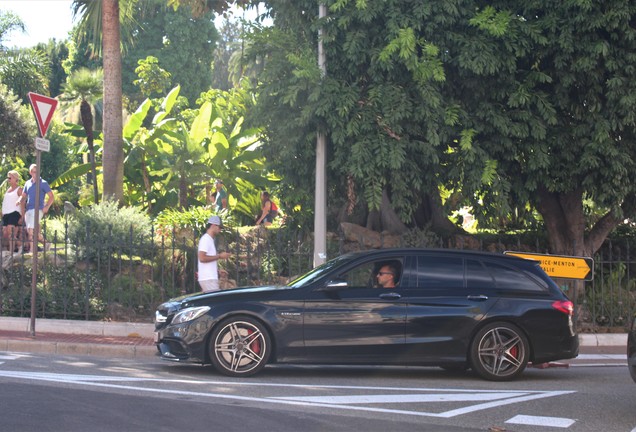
(103, 227)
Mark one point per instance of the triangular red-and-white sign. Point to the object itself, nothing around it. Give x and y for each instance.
(43, 107)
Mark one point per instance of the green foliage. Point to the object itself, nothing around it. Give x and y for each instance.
(510, 106)
(17, 130)
(420, 238)
(248, 208)
(152, 78)
(194, 219)
(57, 52)
(182, 44)
(25, 71)
(9, 22)
(98, 229)
(172, 159)
(81, 297)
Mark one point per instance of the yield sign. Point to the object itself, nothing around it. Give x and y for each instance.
(43, 107)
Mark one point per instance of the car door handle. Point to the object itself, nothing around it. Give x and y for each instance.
(477, 297)
(390, 296)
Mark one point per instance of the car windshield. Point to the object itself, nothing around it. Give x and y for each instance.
(320, 271)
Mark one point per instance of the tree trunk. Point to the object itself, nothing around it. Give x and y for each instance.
(431, 211)
(390, 220)
(87, 122)
(183, 192)
(385, 219)
(113, 159)
(565, 223)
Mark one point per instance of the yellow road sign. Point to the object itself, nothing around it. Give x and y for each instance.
(559, 266)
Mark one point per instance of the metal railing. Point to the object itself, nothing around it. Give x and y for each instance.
(104, 279)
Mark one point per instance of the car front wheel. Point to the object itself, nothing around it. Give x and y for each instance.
(239, 346)
(499, 352)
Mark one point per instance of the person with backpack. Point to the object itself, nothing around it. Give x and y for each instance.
(269, 210)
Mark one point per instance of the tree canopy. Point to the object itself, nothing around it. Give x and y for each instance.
(499, 105)
(183, 46)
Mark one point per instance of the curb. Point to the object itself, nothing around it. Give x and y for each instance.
(72, 348)
(75, 327)
(603, 339)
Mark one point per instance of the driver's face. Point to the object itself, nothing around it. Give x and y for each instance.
(385, 276)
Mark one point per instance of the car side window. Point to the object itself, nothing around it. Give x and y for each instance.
(513, 279)
(478, 276)
(360, 276)
(440, 273)
(365, 275)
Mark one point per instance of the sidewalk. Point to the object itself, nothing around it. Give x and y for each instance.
(134, 340)
(69, 337)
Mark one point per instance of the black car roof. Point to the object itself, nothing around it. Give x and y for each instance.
(463, 252)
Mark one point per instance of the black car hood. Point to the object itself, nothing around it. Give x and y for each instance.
(174, 303)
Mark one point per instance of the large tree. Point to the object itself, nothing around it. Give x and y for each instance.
(550, 95)
(183, 46)
(113, 159)
(380, 104)
(504, 103)
(100, 23)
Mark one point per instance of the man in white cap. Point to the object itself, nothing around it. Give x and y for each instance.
(208, 257)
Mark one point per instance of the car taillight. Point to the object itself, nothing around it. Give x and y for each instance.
(565, 306)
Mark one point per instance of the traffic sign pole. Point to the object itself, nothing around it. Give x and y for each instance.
(34, 244)
(43, 108)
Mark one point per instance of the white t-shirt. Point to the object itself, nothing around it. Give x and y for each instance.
(208, 270)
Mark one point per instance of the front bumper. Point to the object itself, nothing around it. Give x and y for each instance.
(185, 342)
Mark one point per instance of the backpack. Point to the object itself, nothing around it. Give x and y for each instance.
(273, 210)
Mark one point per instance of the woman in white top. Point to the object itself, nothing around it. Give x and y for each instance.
(11, 210)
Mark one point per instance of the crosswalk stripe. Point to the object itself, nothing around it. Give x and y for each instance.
(541, 421)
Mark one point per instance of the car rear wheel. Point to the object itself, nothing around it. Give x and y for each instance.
(239, 346)
(499, 352)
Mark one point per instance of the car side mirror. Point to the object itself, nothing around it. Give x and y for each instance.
(335, 285)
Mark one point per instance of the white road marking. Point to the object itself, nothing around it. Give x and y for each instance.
(557, 422)
(598, 364)
(10, 357)
(602, 357)
(493, 398)
(410, 398)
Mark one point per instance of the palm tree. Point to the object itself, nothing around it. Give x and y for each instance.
(100, 22)
(113, 159)
(85, 86)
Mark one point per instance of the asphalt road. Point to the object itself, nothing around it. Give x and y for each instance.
(79, 393)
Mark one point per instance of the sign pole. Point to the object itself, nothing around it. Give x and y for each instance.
(43, 108)
(34, 245)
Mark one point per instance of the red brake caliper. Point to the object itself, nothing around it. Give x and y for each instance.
(514, 351)
(256, 345)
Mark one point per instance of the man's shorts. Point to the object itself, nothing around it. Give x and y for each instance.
(209, 285)
(29, 219)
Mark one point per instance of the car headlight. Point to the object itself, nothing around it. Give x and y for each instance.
(159, 317)
(190, 314)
